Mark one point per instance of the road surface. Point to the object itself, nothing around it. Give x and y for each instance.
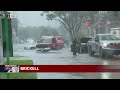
(65, 57)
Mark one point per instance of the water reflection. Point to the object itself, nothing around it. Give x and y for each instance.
(65, 57)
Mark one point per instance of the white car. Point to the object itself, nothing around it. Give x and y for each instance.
(30, 47)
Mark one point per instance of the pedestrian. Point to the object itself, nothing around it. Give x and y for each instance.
(79, 46)
(74, 47)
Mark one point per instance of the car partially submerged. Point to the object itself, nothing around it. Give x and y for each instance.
(30, 47)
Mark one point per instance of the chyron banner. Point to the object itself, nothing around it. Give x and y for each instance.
(59, 68)
(69, 68)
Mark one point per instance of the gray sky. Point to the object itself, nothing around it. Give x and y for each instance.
(33, 18)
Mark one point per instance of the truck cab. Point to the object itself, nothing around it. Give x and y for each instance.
(50, 42)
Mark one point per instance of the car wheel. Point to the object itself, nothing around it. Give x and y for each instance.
(110, 55)
(101, 53)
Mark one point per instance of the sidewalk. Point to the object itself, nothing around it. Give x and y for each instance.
(14, 58)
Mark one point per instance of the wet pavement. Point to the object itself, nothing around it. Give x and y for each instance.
(65, 57)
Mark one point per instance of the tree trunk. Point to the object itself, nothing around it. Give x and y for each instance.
(71, 35)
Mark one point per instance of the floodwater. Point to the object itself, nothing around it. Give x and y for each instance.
(65, 57)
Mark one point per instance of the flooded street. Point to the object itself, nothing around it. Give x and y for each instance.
(65, 57)
(23, 33)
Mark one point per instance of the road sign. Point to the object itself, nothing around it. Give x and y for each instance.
(11, 16)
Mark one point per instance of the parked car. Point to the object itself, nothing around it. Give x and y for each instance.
(83, 42)
(105, 45)
(30, 46)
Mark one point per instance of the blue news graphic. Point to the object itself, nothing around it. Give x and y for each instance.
(2, 68)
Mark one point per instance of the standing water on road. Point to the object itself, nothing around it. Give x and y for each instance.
(30, 40)
(63, 57)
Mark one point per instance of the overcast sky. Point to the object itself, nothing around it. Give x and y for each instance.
(33, 18)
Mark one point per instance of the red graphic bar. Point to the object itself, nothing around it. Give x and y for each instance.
(69, 68)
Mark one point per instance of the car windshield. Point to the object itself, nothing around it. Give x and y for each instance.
(85, 40)
(46, 40)
(109, 37)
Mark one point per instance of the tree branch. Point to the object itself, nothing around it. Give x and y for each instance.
(63, 24)
(79, 25)
(66, 21)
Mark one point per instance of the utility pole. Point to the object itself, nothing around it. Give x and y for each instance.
(7, 43)
(6, 35)
(6, 29)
